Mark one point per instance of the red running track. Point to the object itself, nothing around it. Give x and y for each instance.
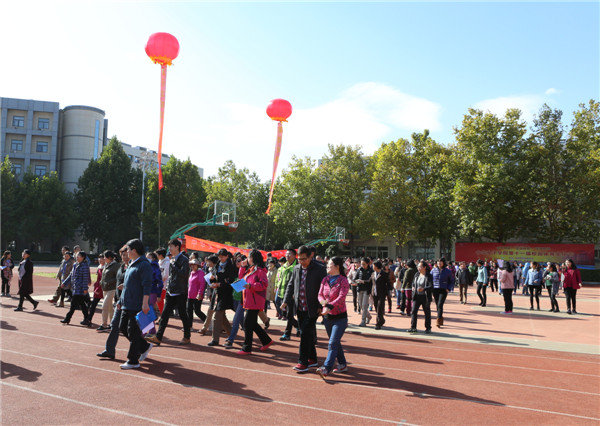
(50, 374)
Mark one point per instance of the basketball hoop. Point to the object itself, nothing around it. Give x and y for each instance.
(345, 242)
(231, 225)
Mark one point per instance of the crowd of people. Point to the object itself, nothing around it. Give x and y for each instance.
(302, 287)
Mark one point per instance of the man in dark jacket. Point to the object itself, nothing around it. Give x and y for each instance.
(227, 273)
(381, 280)
(26, 281)
(63, 272)
(177, 289)
(303, 292)
(363, 279)
(464, 280)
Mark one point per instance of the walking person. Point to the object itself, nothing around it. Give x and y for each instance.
(164, 264)
(442, 283)
(238, 307)
(113, 336)
(285, 274)
(464, 279)
(571, 284)
(7, 272)
(227, 273)
(253, 297)
(79, 280)
(506, 279)
(63, 272)
(196, 288)
(26, 281)
(98, 294)
(177, 290)
(134, 298)
(363, 279)
(332, 296)
(303, 293)
(552, 282)
(407, 292)
(109, 286)
(482, 282)
(211, 294)
(422, 287)
(381, 281)
(534, 284)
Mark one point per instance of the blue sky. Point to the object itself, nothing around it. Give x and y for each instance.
(355, 73)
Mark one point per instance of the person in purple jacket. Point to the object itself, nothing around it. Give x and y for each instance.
(442, 283)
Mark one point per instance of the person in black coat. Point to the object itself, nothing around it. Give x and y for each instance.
(227, 273)
(303, 292)
(381, 282)
(26, 281)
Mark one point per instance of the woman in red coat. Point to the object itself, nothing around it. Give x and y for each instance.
(571, 284)
(254, 296)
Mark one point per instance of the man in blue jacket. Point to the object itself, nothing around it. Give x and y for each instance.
(134, 298)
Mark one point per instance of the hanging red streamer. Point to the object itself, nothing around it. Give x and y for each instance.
(275, 162)
(163, 89)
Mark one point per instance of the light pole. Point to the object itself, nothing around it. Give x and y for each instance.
(144, 160)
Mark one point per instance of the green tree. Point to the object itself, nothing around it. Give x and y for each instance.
(344, 176)
(298, 202)
(181, 200)
(108, 198)
(491, 195)
(11, 207)
(47, 210)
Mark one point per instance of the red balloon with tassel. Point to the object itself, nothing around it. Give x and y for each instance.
(278, 110)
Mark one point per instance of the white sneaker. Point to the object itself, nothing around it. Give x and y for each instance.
(145, 354)
(128, 366)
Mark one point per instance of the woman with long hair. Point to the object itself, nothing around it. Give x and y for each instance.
(332, 296)
(506, 279)
(571, 284)
(254, 296)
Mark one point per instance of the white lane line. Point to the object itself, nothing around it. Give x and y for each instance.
(154, 379)
(495, 404)
(85, 404)
(367, 351)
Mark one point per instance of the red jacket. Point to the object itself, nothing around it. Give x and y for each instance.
(334, 295)
(572, 278)
(98, 294)
(255, 296)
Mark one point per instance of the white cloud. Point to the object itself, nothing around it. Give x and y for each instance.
(528, 104)
(551, 91)
(366, 114)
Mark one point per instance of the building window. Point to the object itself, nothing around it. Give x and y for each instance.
(18, 121)
(16, 168)
(40, 170)
(16, 145)
(43, 123)
(41, 147)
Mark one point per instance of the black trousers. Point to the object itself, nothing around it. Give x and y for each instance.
(172, 302)
(78, 301)
(22, 299)
(5, 284)
(418, 301)
(493, 284)
(291, 320)
(389, 299)
(195, 306)
(354, 296)
(553, 300)
(308, 337)
(571, 294)
(92, 309)
(131, 330)
(508, 303)
(462, 288)
(534, 291)
(439, 296)
(379, 302)
(481, 289)
(250, 327)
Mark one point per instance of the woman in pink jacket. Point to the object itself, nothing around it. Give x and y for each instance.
(506, 279)
(571, 284)
(332, 296)
(253, 299)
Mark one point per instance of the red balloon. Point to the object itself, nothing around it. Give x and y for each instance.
(279, 110)
(162, 48)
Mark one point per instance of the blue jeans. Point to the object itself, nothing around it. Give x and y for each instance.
(237, 319)
(335, 330)
(398, 297)
(113, 337)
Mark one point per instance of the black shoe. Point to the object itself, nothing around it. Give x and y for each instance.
(551, 310)
(86, 323)
(298, 333)
(531, 309)
(18, 309)
(377, 327)
(574, 311)
(36, 305)
(412, 330)
(212, 343)
(228, 344)
(65, 321)
(105, 354)
(569, 312)
(428, 331)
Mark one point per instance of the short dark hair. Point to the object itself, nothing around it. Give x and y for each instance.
(313, 249)
(175, 242)
(304, 250)
(161, 251)
(109, 254)
(365, 259)
(101, 256)
(257, 258)
(292, 251)
(282, 259)
(378, 264)
(223, 252)
(213, 259)
(152, 255)
(67, 248)
(137, 245)
(27, 251)
(479, 262)
(82, 254)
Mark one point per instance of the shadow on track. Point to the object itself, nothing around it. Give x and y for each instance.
(12, 370)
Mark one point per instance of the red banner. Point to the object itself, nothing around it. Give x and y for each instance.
(198, 244)
(582, 254)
